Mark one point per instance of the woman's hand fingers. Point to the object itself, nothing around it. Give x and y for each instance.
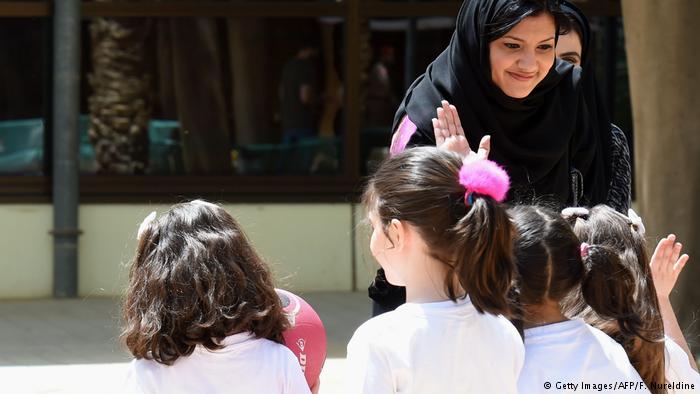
(439, 137)
(449, 118)
(484, 147)
(458, 144)
(442, 122)
(449, 134)
(457, 121)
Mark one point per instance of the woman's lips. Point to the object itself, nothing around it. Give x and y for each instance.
(521, 77)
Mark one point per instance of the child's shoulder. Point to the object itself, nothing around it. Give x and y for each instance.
(612, 350)
(380, 323)
(380, 330)
(602, 338)
(263, 348)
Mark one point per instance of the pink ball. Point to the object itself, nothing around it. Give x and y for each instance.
(306, 337)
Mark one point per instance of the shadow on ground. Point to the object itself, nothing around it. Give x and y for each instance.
(85, 331)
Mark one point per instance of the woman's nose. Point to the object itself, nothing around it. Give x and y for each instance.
(528, 62)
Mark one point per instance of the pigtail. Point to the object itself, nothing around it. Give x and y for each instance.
(608, 286)
(484, 263)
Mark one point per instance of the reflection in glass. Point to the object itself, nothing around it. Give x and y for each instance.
(213, 96)
(399, 51)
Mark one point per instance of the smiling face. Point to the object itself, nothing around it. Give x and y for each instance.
(569, 48)
(522, 57)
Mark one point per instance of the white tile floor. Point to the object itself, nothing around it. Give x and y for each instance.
(71, 346)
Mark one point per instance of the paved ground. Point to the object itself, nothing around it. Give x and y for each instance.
(71, 346)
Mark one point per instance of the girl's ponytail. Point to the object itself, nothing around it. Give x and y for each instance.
(484, 263)
(609, 286)
(483, 239)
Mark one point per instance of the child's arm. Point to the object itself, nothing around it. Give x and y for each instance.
(666, 265)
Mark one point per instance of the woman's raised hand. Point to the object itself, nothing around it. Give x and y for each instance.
(666, 264)
(449, 134)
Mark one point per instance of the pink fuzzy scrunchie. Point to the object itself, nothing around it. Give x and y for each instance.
(486, 178)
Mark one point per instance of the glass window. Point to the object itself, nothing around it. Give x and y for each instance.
(212, 96)
(399, 51)
(23, 93)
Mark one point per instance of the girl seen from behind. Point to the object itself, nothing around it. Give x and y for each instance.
(201, 314)
(440, 231)
(552, 263)
(661, 360)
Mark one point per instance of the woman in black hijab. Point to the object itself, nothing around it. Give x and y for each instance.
(543, 115)
(539, 138)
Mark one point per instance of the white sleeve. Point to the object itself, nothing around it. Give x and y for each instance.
(368, 368)
(295, 382)
(678, 369)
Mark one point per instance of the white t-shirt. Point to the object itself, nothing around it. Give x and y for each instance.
(679, 374)
(441, 347)
(245, 365)
(569, 355)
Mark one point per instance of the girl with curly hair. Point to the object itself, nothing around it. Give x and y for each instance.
(201, 314)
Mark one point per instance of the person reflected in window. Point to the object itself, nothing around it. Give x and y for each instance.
(381, 100)
(299, 95)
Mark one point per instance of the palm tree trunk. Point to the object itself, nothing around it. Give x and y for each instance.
(119, 104)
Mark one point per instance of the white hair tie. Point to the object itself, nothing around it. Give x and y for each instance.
(570, 212)
(636, 221)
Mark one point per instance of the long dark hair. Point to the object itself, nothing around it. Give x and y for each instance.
(194, 280)
(643, 342)
(421, 186)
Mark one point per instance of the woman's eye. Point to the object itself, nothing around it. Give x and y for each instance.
(510, 45)
(569, 59)
(545, 47)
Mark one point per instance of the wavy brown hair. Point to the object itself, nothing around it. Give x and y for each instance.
(644, 345)
(194, 280)
(421, 186)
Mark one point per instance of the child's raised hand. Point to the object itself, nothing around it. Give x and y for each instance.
(449, 134)
(666, 264)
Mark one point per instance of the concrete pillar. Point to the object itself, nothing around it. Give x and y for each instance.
(663, 55)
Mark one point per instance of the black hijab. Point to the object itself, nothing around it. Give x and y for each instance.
(538, 139)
